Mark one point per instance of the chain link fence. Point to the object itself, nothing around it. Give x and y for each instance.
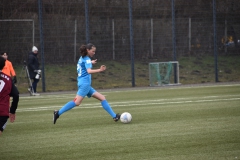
(65, 29)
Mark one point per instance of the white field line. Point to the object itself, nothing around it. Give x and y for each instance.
(150, 100)
(68, 96)
(72, 95)
(133, 103)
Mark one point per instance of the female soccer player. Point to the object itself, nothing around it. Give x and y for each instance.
(84, 70)
(5, 91)
(8, 70)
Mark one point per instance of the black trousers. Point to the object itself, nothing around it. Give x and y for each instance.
(15, 96)
(3, 122)
(34, 84)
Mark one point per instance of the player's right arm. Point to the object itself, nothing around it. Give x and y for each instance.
(88, 66)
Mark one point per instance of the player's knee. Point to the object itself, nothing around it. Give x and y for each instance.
(77, 101)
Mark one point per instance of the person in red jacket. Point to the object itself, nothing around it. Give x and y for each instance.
(8, 70)
(5, 91)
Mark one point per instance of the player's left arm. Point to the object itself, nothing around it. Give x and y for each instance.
(88, 66)
(101, 69)
(13, 108)
(12, 117)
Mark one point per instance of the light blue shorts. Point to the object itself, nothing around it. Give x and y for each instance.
(85, 90)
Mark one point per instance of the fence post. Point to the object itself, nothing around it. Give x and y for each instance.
(75, 41)
(225, 39)
(151, 37)
(131, 41)
(215, 41)
(189, 34)
(113, 36)
(87, 22)
(33, 31)
(174, 40)
(41, 43)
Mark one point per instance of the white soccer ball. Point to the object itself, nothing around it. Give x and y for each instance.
(126, 117)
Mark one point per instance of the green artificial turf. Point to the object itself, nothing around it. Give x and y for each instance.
(169, 123)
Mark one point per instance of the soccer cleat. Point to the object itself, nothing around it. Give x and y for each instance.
(117, 117)
(55, 116)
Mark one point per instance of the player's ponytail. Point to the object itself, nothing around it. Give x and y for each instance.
(83, 49)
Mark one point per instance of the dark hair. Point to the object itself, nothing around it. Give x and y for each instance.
(2, 62)
(3, 53)
(83, 49)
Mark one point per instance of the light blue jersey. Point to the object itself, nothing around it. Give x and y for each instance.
(85, 88)
(84, 63)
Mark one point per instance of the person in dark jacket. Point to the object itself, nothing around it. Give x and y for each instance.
(34, 71)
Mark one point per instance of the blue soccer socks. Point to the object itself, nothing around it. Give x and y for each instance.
(66, 107)
(108, 108)
(71, 104)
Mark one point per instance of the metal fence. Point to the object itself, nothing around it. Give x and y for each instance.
(160, 29)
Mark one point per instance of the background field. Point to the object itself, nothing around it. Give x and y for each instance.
(193, 70)
(178, 122)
